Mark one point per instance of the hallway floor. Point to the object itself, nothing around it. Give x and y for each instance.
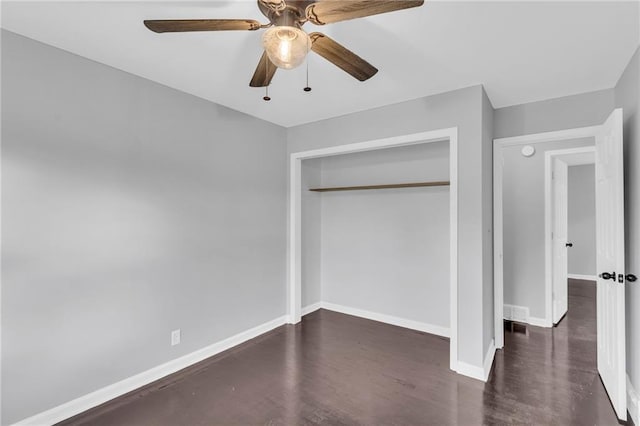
(336, 369)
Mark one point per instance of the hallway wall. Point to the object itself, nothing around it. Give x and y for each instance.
(582, 220)
(524, 225)
(585, 109)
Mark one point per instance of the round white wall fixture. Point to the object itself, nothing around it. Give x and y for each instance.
(528, 150)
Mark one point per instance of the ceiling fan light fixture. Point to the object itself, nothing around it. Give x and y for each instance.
(286, 46)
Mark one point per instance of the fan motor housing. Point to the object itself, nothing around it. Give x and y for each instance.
(293, 14)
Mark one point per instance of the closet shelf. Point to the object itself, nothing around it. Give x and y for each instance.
(387, 186)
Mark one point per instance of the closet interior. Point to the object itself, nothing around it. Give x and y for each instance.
(375, 234)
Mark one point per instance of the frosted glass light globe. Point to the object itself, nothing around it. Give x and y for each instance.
(286, 46)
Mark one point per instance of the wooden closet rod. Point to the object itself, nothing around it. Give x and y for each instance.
(388, 186)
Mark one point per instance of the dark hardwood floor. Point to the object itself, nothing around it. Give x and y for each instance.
(336, 369)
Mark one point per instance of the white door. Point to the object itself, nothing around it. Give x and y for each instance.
(610, 261)
(559, 239)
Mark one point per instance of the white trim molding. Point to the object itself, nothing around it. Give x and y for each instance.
(472, 371)
(498, 270)
(539, 322)
(498, 261)
(488, 360)
(388, 319)
(294, 247)
(633, 402)
(310, 308)
(480, 373)
(560, 135)
(107, 393)
(582, 277)
(475, 372)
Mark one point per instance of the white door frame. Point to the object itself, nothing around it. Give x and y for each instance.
(294, 246)
(549, 156)
(498, 165)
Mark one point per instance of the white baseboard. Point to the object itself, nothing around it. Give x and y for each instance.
(582, 277)
(93, 399)
(633, 402)
(479, 373)
(488, 359)
(539, 322)
(400, 322)
(100, 396)
(472, 371)
(310, 308)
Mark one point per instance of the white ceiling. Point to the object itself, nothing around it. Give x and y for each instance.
(520, 51)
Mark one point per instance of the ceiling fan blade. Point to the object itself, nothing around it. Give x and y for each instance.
(184, 25)
(329, 11)
(264, 72)
(342, 57)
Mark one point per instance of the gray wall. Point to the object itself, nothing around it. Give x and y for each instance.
(627, 93)
(461, 109)
(587, 109)
(129, 210)
(311, 227)
(523, 224)
(582, 220)
(387, 251)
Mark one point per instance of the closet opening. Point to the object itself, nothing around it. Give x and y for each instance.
(373, 232)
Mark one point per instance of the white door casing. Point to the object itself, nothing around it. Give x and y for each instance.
(559, 239)
(498, 288)
(610, 259)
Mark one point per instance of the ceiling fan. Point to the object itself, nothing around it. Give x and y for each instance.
(285, 43)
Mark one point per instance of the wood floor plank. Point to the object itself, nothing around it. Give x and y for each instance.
(336, 369)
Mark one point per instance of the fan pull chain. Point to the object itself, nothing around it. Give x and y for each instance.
(307, 88)
(266, 88)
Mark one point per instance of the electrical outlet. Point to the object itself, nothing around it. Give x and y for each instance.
(175, 337)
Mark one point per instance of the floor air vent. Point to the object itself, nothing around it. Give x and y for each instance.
(515, 327)
(516, 313)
